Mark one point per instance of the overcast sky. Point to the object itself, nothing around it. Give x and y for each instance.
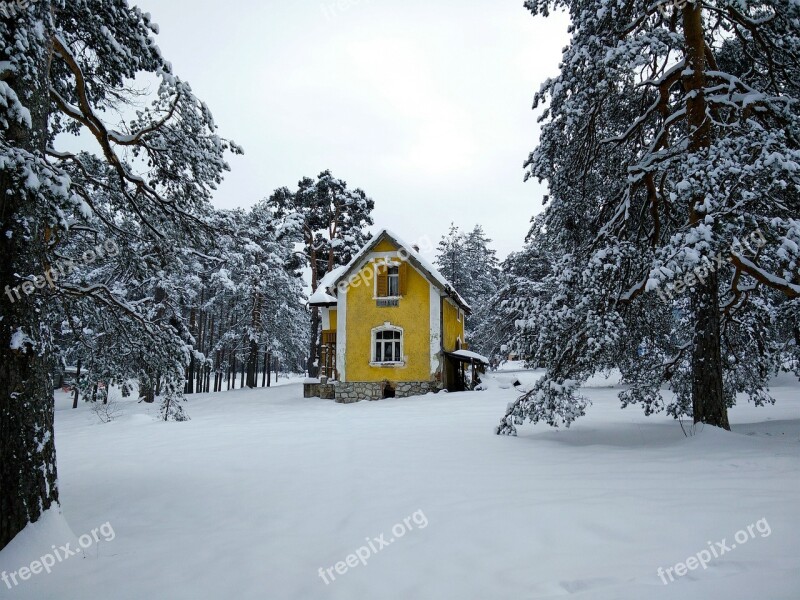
(424, 104)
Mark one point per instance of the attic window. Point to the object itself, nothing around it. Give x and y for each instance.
(393, 282)
(392, 279)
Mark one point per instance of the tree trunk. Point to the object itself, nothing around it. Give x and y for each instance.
(708, 397)
(77, 379)
(28, 481)
(252, 365)
(268, 366)
(231, 368)
(313, 352)
(147, 391)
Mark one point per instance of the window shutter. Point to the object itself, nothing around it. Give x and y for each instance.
(383, 280)
(403, 275)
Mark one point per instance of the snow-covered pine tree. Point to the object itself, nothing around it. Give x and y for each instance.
(333, 219)
(523, 282)
(670, 145)
(450, 258)
(483, 270)
(254, 293)
(65, 67)
(470, 264)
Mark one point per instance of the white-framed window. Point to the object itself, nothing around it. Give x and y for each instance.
(387, 345)
(393, 276)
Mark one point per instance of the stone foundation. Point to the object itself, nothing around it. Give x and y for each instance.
(327, 391)
(319, 388)
(353, 391)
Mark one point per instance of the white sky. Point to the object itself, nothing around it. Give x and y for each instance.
(424, 104)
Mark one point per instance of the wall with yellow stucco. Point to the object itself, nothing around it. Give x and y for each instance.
(453, 328)
(413, 315)
(384, 246)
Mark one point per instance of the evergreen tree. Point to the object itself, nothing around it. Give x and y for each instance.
(451, 259)
(670, 145)
(468, 262)
(523, 282)
(65, 67)
(333, 219)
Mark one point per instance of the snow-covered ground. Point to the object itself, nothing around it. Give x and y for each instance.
(262, 489)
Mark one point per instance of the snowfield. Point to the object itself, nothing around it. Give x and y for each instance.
(262, 489)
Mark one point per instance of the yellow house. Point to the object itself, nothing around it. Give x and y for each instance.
(392, 325)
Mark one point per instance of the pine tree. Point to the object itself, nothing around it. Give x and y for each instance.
(333, 220)
(523, 283)
(670, 146)
(450, 258)
(65, 67)
(471, 266)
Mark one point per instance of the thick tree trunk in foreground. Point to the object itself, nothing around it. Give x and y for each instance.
(27, 449)
(708, 398)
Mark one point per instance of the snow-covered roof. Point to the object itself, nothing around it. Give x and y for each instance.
(468, 354)
(329, 281)
(322, 296)
(413, 256)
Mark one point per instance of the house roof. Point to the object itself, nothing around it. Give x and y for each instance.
(332, 279)
(468, 356)
(322, 297)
